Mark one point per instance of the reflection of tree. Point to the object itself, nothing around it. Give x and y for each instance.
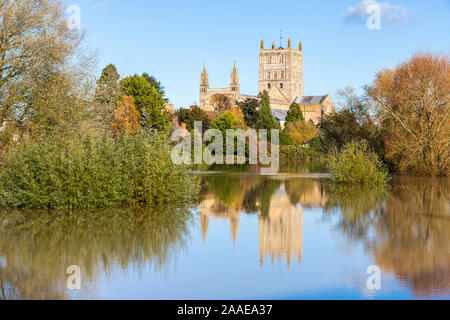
(303, 166)
(408, 231)
(267, 188)
(308, 192)
(248, 193)
(228, 189)
(414, 234)
(358, 206)
(38, 246)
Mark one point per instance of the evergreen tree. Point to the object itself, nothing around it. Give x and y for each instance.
(249, 108)
(294, 113)
(266, 119)
(107, 94)
(157, 84)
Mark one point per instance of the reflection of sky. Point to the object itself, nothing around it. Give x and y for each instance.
(331, 267)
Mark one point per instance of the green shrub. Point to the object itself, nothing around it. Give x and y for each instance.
(356, 164)
(316, 144)
(88, 172)
(284, 138)
(296, 152)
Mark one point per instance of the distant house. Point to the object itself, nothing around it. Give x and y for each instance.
(315, 107)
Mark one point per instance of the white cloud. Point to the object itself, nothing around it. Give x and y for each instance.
(391, 14)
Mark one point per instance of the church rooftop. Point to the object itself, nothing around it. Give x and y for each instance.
(310, 99)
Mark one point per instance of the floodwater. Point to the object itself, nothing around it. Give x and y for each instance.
(288, 236)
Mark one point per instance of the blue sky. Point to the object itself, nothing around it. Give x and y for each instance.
(172, 39)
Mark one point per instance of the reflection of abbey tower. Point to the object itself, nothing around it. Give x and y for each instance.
(210, 207)
(281, 233)
(281, 230)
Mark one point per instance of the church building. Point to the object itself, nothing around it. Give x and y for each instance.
(281, 75)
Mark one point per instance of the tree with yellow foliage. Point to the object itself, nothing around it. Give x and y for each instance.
(126, 117)
(237, 112)
(301, 132)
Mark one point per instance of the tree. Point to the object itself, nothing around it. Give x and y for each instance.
(107, 94)
(221, 103)
(226, 121)
(190, 116)
(32, 31)
(37, 50)
(412, 104)
(294, 113)
(156, 84)
(357, 164)
(249, 108)
(126, 117)
(338, 129)
(149, 102)
(184, 116)
(352, 123)
(301, 132)
(237, 112)
(266, 119)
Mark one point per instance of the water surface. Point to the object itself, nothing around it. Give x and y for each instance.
(289, 236)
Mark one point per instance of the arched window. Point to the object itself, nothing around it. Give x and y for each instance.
(268, 86)
(281, 86)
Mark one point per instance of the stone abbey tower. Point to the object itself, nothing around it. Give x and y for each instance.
(282, 68)
(281, 75)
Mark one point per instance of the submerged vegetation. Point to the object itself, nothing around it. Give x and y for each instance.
(87, 172)
(357, 164)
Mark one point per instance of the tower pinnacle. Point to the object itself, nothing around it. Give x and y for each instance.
(234, 84)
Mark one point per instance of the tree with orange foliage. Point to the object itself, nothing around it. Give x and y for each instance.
(412, 105)
(126, 117)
